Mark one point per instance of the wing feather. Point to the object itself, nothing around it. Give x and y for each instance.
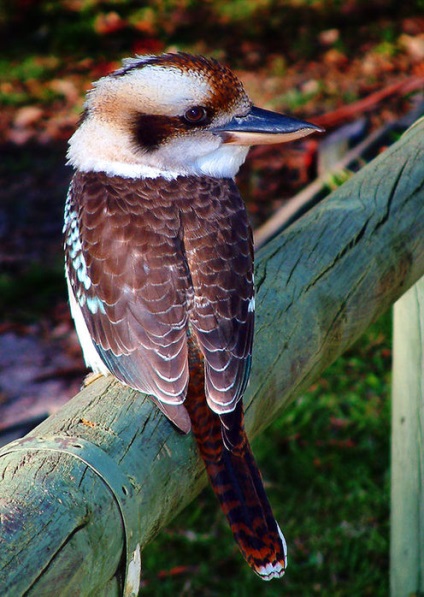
(135, 303)
(152, 260)
(219, 248)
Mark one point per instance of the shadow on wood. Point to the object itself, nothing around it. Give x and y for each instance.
(95, 482)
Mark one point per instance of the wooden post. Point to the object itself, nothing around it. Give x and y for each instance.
(94, 483)
(407, 495)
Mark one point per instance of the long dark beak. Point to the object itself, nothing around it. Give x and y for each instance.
(263, 127)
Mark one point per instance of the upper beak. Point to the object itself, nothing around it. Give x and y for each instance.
(263, 127)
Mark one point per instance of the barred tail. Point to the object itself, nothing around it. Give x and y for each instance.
(237, 483)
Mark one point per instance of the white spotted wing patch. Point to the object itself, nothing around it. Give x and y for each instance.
(73, 240)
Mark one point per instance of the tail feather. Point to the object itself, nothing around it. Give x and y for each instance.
(237, 483)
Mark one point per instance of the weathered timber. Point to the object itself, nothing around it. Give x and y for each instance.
(407, 479)
(70, 509)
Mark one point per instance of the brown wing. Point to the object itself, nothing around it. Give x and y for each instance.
(157, 260)
(131, 281)
(219, 249)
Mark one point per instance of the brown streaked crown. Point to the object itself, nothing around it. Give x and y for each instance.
(226, 89)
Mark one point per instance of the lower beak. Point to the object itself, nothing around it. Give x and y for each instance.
(263, 127)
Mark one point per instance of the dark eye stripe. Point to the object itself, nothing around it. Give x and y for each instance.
(151, 130)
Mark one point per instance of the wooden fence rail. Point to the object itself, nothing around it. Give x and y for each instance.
(94, 483)
(407, 479)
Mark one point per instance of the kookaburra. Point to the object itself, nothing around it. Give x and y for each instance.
(159, 261)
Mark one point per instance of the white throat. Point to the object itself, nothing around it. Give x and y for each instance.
(97, 146)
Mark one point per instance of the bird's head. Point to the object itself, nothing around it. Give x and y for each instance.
(174, 114)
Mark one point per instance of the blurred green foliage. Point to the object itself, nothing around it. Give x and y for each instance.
(100, 27)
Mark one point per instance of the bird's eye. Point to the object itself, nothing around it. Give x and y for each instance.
(196, 115)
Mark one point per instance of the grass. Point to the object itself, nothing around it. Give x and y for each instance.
(326, 466)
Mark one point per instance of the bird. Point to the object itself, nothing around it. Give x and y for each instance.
(159, 261)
